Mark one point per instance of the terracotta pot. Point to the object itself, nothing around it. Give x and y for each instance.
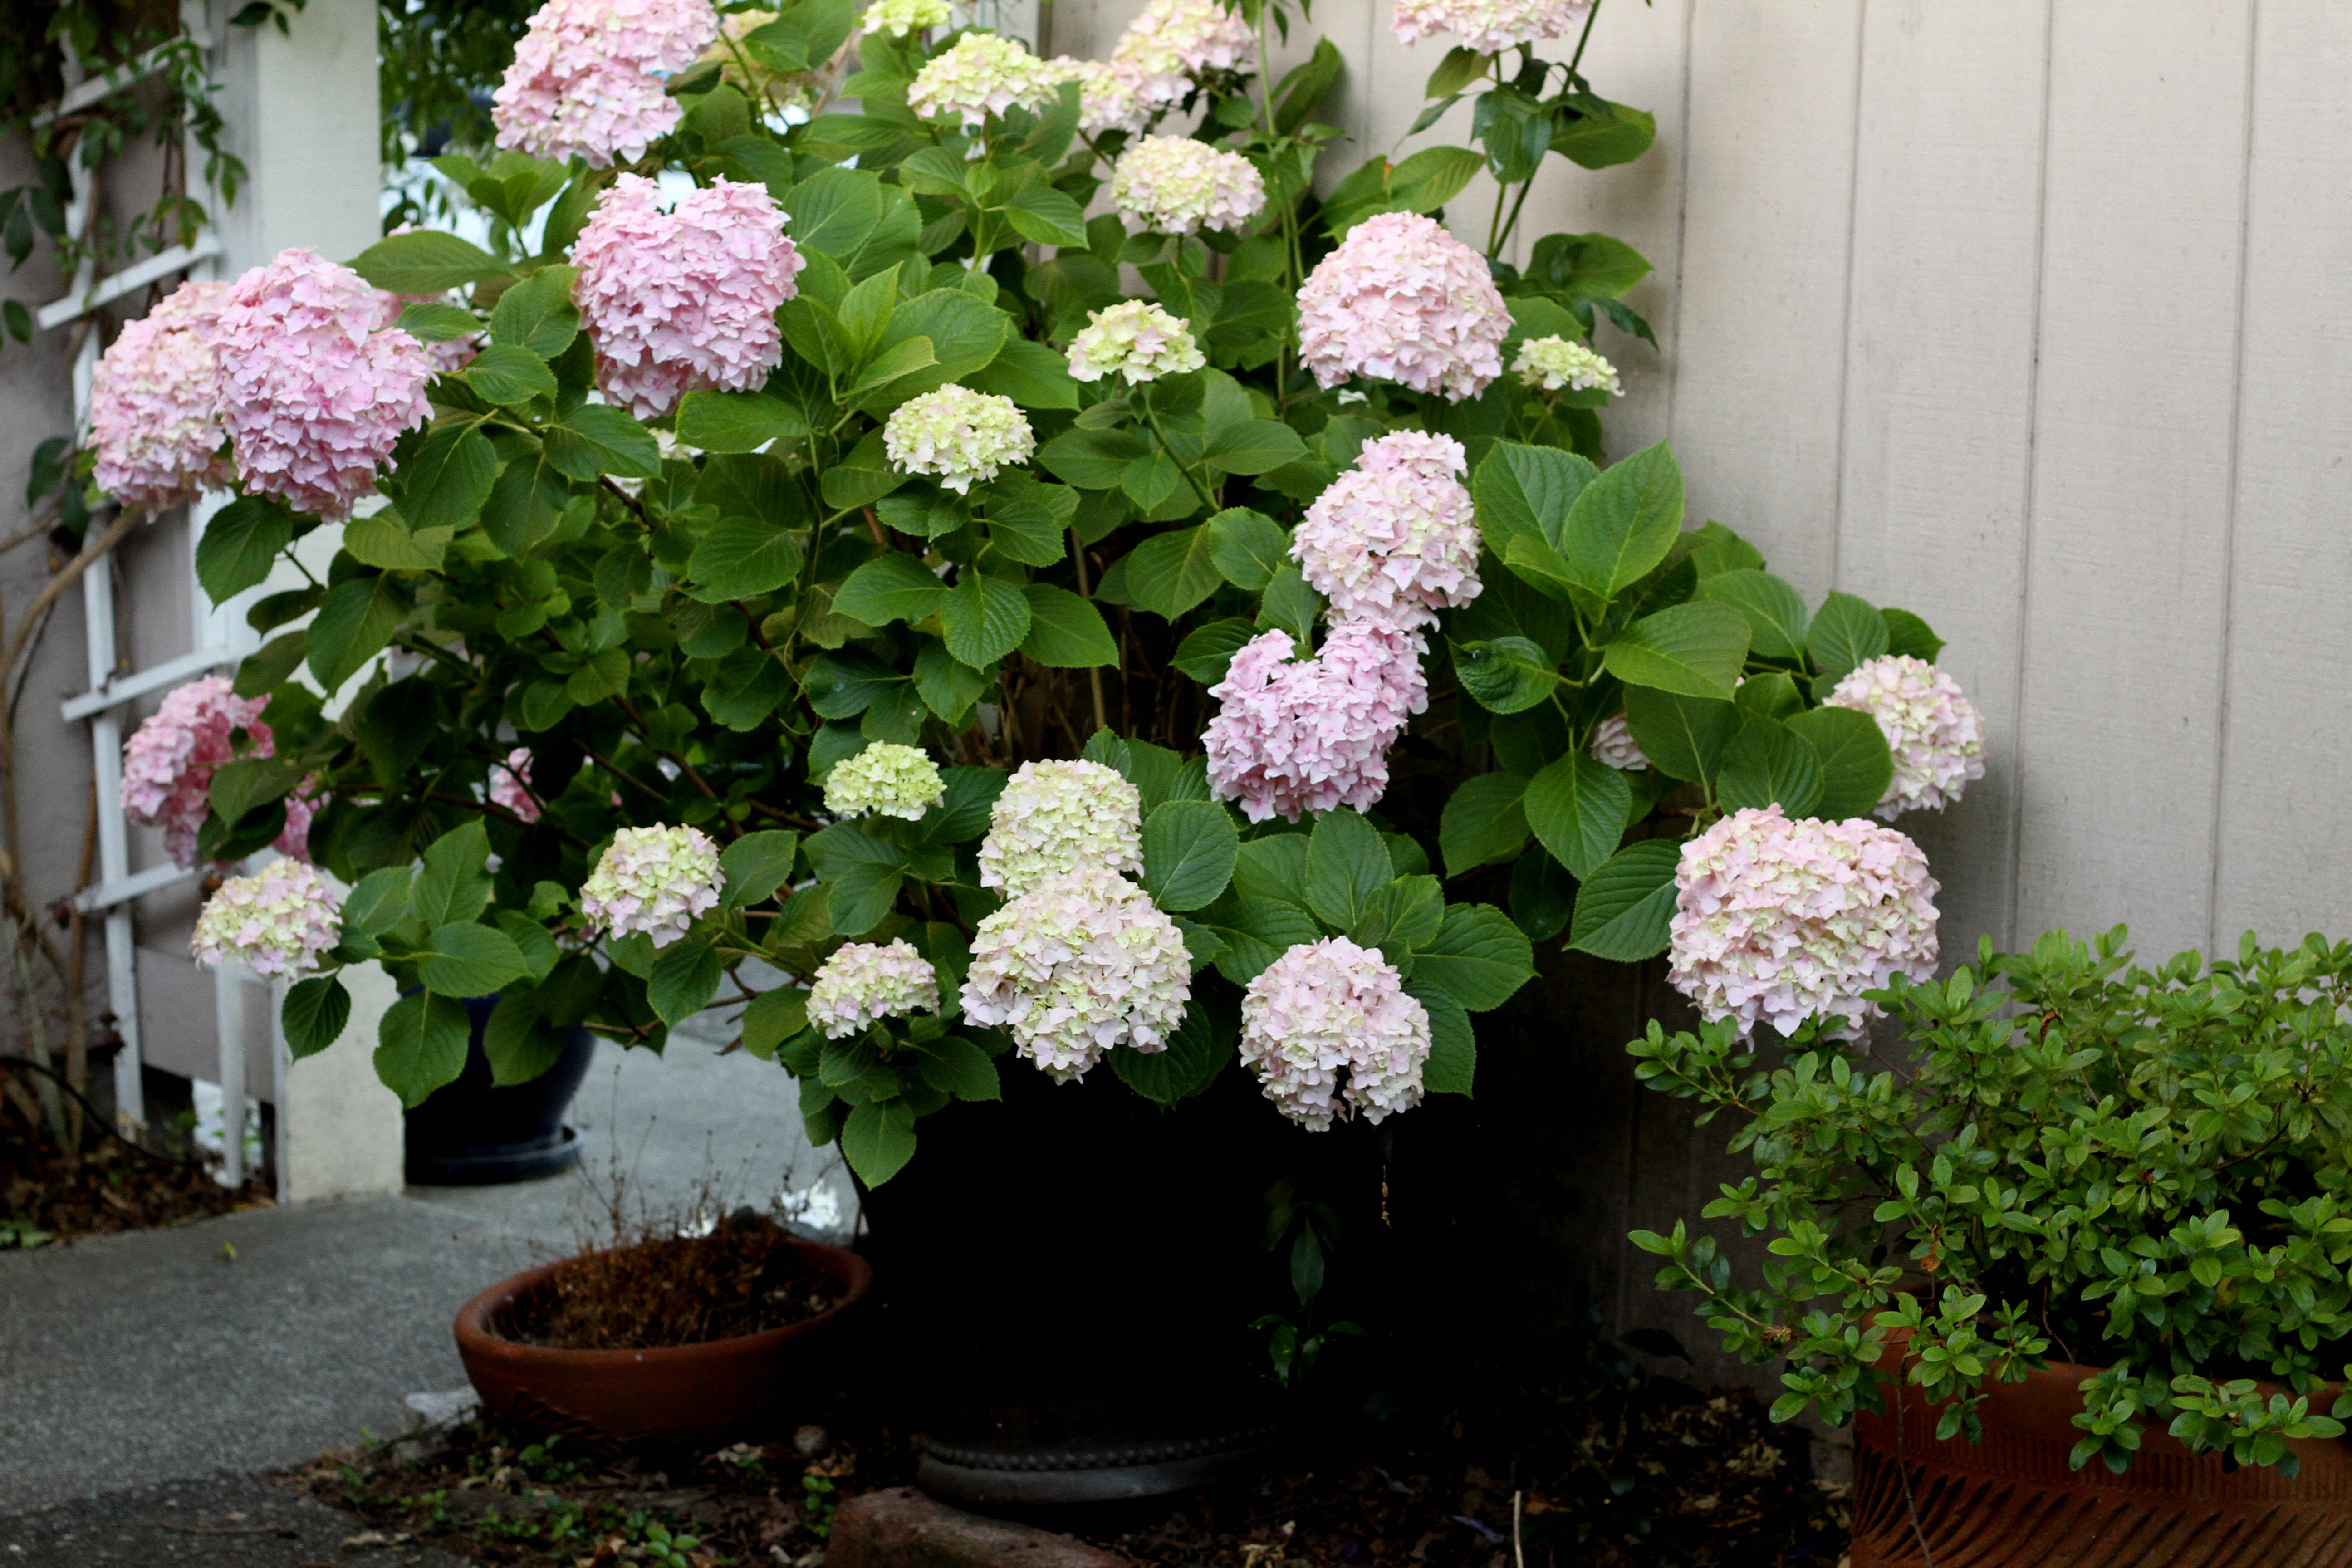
(2010, 1500)
(694, 1395)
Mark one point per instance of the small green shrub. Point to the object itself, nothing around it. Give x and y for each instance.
(2075, 1158)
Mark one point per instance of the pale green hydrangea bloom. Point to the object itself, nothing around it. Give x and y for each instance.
(1134, 339)
(983, 75)
(886, 779)
(1555, 363)
(961, 435)
(900, 17)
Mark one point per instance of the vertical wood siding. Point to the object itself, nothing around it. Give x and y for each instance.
(2034, 316)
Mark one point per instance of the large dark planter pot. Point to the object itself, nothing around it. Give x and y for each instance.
(1081, 1268)
(471, 1132)
(2010, 1501)
(687, 1395)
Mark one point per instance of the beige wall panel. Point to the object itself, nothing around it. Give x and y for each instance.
(1759, 361)
(2285, 840)
(1939, 380)
(2127, 571)
(1639, 56)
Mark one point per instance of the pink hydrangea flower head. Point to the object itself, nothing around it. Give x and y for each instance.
(1174, 184)
(169, 762)
(511, 785)
(683, 301)
(1078, 963)
(154, 420)
(1055, 816)
(1489, 26)
(983, 74)
(866, 982)
(1328, 1007)
(1394, 538)
(1166, 50)
(583, 80)
(1108, 96)
(652, 879)
(1612, 744)
(277, 922)
(1400, 300)
(1136, 340)
(1554, 363)
(294, 841)
(1777, 921)
(1934, 730)
(313, 395)
(1309, 735)
(961, 435)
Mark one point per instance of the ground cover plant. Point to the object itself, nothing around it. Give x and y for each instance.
(2077, 1158)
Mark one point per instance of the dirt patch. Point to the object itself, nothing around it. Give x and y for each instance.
(1671, 1477)
(112, 1187)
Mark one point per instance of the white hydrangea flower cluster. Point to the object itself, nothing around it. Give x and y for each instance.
(1488, 26)
(961, 435)
(1080, 962)
(652, 879)
(1554, 362)
(900, 17)
(866, 982)
(1136, 340)
(1109, 98)
(277, 922)
(886, 779)
(1777, 921)
(1934, 730)
(1394, 539)
(1056, 817)
(1174, 184)
(1613, 742)
(1324, 1006)
(983, 75)
(1166, 50)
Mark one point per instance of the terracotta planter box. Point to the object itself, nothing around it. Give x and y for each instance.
(694, 1395)
(2010, 1500)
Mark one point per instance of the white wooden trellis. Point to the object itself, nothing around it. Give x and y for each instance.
(220, 636)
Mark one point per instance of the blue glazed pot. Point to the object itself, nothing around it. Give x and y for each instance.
(471, 1132)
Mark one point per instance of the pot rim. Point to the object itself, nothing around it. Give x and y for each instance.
(476, 1336)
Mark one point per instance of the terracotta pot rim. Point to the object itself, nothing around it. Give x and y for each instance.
(476, 1335)
(2076, 1372)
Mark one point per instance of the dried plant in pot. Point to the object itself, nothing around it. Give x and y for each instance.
(664, 1338)
(2072, 1253)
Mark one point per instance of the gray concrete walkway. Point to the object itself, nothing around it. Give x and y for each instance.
(260, 1339)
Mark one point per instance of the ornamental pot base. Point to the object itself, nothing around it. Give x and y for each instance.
(2011, 1501)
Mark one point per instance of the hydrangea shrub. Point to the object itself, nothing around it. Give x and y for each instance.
(786, 539)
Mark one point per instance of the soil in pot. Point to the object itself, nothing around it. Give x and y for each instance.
(745, 1278)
